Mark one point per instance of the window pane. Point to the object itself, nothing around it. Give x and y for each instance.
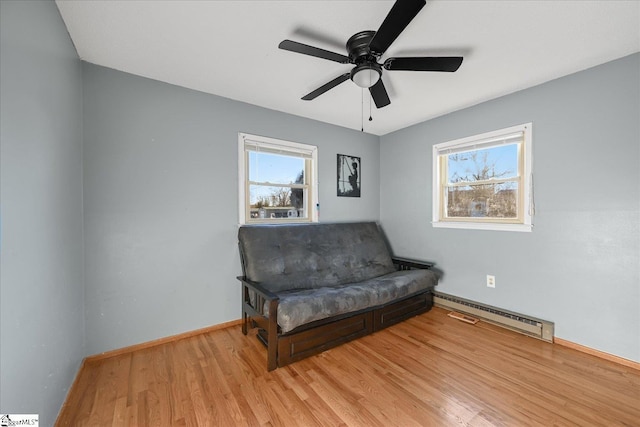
(276, 169)
(483, 201)
(277, 202)
(496, 162)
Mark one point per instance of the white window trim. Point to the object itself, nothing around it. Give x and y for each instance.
(286, 146)
(528, 205)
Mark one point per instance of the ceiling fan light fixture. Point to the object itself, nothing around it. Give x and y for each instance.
(366, 75)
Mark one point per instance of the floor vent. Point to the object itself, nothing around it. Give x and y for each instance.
(527, 325)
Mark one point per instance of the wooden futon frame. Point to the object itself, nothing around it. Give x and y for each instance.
(316, 337)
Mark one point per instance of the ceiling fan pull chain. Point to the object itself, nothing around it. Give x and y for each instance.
(370, 118)
(362, 110)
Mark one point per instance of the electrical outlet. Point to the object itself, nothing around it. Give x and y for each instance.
(491, 281)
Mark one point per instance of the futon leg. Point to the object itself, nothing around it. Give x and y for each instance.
(245, 320)
(245, 317)
(272, 344)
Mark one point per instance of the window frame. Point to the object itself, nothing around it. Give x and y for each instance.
(309, 152)
(524, 221)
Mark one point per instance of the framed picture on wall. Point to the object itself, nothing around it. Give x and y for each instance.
(348, 176)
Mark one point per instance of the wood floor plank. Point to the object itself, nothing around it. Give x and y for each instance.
(430, 370)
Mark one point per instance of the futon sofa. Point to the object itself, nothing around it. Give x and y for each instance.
(311, 287)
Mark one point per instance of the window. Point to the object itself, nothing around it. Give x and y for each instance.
(277, 180)
(484, 181)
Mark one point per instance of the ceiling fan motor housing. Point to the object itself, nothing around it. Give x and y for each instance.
(358, 47)
(367, 71)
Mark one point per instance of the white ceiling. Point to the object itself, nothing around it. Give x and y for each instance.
(230, 48)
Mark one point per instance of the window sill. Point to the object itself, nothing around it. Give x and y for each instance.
(483, 226)
(279, 221)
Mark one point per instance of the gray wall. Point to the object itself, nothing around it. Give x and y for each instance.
(41, 269)
(160, 206)
(160, 202)
(580, 265)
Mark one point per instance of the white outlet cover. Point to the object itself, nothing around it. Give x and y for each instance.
(491, 281)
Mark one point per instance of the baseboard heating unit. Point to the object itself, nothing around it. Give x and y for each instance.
(537, 328)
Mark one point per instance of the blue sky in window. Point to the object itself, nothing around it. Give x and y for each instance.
(503, 159)
(273, 168)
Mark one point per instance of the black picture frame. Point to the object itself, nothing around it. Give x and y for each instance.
(349, 174)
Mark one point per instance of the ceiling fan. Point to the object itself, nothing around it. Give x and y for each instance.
(365, 49)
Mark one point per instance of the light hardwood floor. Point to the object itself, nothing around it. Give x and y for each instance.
(430, 370)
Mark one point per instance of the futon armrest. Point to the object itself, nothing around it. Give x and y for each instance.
(408, 264)
(253, 312)
(255, 286)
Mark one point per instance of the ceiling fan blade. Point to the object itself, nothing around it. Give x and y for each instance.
(325, 87)
(402, 12)
(436, 63)
(379, 94)
(313, 51)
